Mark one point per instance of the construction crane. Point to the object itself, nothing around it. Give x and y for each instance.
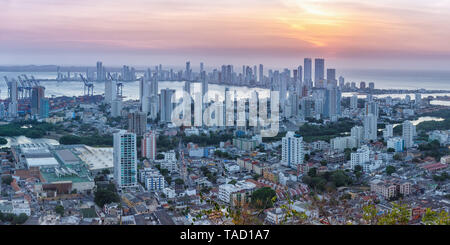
(119, 86)
(88, 86)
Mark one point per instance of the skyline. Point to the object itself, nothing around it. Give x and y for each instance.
(275, 33)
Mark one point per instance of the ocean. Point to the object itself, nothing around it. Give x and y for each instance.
(387, 79)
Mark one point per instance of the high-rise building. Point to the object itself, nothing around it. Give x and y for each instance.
(361, 156)
(116, 108)
(44, 108)
(332, 103)
(204, 91)
(293, 151)
(371, 107)
(397, 143)
(125, 159)
(418, 98)
(188, 70)
(110, 93)
(354, 102)
(100, 71)
(261, 74)
(308, 72)
(362, 85)
(167, 104)
(370, 127)
(148, 145)
(358, 133)
(137, 123)
(331, 77)
(319, 72)
(37, 94)
(408, 133)
(341, 82)
(388, 131)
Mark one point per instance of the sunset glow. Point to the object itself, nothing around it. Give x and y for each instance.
(252, 28)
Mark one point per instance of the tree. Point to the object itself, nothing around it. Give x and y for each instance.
(397, 157)
(20, 219)
(390, 150)
(59, 209)
(179, 182)
(370, 214)
(159, 156)
(390, 170)
(399, 215)
(434, 218)
(312, 172)
(7, 179)
(105, 195)
(3, 141)
(262, 198)
(307, 157)
(232, 182)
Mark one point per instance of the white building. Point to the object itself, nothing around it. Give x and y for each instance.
(276, 216)
(169, 192)
(388, 131)
(370, 127)
(293, 151)
(148, 145)
(170, 156)
(358, 133)
(116, 108)
(226, 190)
(408, 133)
(341, 143)
(361, 156)
(396, 143)
(354, 102)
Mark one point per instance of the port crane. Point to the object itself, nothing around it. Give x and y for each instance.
(119, 86)
(88, 86)
(8, 83)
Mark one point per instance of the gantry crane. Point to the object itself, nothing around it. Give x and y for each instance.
(88, 86)
(119, 86)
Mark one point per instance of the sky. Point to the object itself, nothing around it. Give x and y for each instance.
(400, 34)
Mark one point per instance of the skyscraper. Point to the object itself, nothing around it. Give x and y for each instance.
(125, 159)
(110, 93)
(261, 74)
(137, 123)
(167, 104)
(319, 72)
(354, 102)
(116, 108)
(358, 133)
(341, 82)
(188, 70)
(148, 145)
(100, 71)
(308, 72)
(331, 77)
(293, 151)
(371, 107)
(408, 133)
(44, 108)
(370, 127)
(37, 94)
